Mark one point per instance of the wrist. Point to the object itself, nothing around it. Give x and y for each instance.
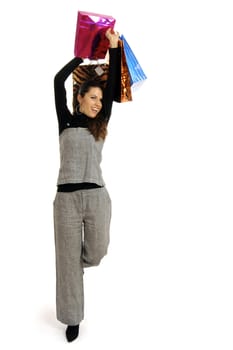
(113, 44)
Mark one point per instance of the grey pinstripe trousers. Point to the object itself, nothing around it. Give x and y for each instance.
(81, 227)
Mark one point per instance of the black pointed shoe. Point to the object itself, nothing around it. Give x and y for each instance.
(72, 333)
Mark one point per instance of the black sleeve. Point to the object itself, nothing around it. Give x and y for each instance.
(109, 91)
(63, 113)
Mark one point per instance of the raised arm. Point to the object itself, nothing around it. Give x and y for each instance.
(114, 73)
(63, 113)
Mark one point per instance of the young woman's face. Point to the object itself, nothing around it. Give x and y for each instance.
(91, 103)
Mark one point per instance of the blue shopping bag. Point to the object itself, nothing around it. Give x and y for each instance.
(137, 75)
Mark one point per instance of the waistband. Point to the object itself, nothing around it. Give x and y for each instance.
(76, 187)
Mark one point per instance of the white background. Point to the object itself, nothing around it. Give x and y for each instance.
(167, 280)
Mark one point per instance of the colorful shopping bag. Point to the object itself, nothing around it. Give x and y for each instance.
(123, 91)
(99, 72)
(90, 39)
(137, 75)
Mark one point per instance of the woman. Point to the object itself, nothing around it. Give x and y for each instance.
(82, 206)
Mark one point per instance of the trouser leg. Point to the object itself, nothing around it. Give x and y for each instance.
(97, 216)
(82, 223)
(68, 247)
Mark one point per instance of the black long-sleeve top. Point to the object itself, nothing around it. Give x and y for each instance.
(66, 119)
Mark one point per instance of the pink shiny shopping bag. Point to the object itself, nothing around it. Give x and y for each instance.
(90, 40)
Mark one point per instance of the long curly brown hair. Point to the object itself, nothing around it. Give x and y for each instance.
(98, 125)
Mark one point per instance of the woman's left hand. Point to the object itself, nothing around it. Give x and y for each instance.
(113, 37)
